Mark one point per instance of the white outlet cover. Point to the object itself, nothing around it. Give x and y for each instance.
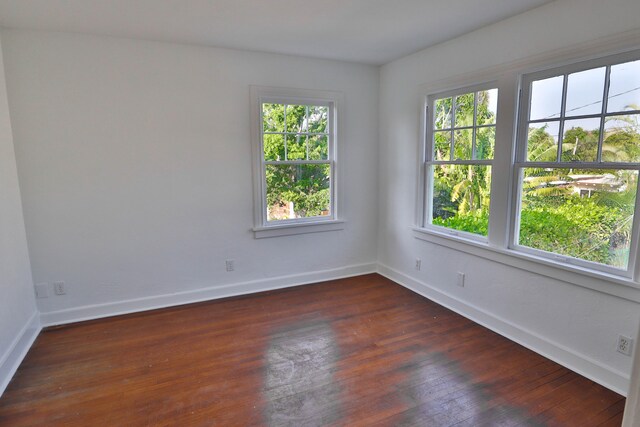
(625, 345)
(42, 290)
(461, 279)
(59, 288)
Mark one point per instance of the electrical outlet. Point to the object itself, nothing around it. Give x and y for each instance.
(59, 288)
(418, 264)
(460, 279)
(230, 265)
(42, 290)
(625, 345)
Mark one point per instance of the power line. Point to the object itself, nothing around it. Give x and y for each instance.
(592, 103)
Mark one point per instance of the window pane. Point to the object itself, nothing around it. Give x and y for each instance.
(317, 119)
(585, 91)
(442, 145)
(585, 214)
(621, 139)
(546, 98)
(542, 142)
(273, 117)
(273, 147)
(485, 142)
(461, 197)
(318, 147)
(580, 140)
(442, 113)
(464, 110)
(297, 191)
(296, 147)
(624, 89)
(487, 107)
(462, 144)
(296, 118)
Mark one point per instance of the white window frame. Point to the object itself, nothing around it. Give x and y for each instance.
(521, 162)
(504, 185)
(332, 100)
(428, 161)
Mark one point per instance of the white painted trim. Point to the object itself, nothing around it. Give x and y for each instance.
(632, 406)
(335, 101)
(18, 349)
(583, 51)
(504, 189)
(583, 365)
(598, 281)
(298, 228)
(97, 311)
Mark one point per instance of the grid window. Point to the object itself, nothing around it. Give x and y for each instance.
(460, 142)
(296, 161)
(577, 164)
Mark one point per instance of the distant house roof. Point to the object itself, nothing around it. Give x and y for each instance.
(605, 182)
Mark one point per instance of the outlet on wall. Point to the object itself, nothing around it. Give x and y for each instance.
(460, 279)
(625, 345)
(230, 265)
(42, 290)
(418, 264)
(59, 288)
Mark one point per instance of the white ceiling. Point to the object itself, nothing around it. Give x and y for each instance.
(368, 31)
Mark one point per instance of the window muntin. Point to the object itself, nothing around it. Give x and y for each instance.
(460, 144)
(577, 165)
(297, 164)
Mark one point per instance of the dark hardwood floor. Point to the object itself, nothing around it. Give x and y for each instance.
(358, 352)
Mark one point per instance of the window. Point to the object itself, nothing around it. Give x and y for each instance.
(295, 150)
(461, 132)
(577, 164)
(549, 184)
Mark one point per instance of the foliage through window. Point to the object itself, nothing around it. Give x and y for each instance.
(296, 160)
(578, 160)
(461, 132)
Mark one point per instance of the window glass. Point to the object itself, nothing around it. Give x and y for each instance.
(580, 140)
(461, 197)
(621, 139)
(580, 206)
(296, 161)
(546, 98)
(461, 191)
(585, 92)
(542, 141)
(582, 214)
(624, 89)
(297, 191)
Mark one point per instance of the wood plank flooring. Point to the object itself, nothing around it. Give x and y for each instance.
(354, 352)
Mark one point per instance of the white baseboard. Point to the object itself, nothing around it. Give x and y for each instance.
(18, 349)
(89, 312)
(583, 365)
(592, 369)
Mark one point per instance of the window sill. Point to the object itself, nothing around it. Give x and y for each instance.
(297, 228)
(618, 286)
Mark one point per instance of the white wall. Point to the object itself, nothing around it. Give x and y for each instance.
(135, 170)
(570, 323)
(17, 306)
(135, 166)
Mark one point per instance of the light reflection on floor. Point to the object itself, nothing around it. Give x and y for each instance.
(299, 385)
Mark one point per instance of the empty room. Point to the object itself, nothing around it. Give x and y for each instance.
(319, 213)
